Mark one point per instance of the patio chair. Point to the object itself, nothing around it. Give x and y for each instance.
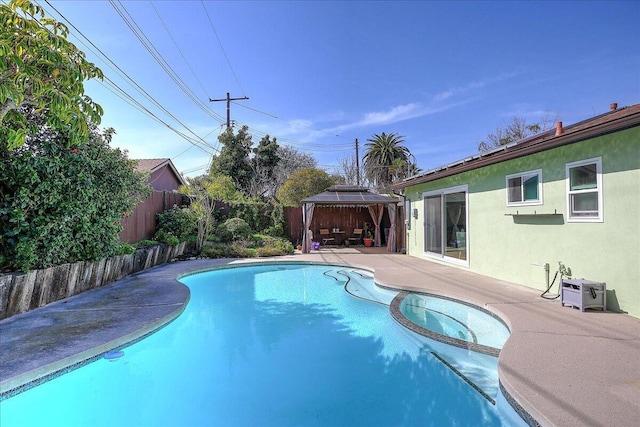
(326, 236)
(356, 237)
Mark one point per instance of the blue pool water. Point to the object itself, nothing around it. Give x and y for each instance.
(274, 345)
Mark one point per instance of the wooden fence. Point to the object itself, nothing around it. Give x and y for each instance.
(293, 224)
(142, 223)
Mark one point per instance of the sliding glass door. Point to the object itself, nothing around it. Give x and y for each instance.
(446, 223)
(433, 224)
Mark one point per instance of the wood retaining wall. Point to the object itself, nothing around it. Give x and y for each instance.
(22, 292)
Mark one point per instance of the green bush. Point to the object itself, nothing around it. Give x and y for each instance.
(276, 245)
(125, 249)
(221, 234)
(258, 245)
(268, 251)
(165, 237)
(261, 216)
(275, 230)
(227, 251)
(145, 243)
(61, 204)
(181, 222)
(277, 221)
(238, 228)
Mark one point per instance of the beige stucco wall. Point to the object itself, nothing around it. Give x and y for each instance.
(515, 248)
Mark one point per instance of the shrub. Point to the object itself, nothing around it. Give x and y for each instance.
(238, 228)
(268, 251)
(145, 243)
(64, 204)
(181, 222)
(282, 245)
(275, 230)
(221, 234)
(165, 237)
(226, 251)
(125, 249)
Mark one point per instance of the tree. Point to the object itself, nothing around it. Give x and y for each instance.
(380, 153)
(264, 162)
(514, 131)
(40, 69)
(401, 169)
(62, 204)
(290, 160)
(348, 169)
(204, 195)
(234, 160)
(303, 183)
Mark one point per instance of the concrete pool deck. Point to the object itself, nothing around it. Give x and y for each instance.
(563, 366)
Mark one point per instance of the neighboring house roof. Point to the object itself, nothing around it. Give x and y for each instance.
(155, 165)
(612, 121)
(349, 195)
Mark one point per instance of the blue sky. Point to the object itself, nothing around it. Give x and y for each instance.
(320, 74)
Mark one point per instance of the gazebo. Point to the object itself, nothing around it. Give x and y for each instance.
(352, 196)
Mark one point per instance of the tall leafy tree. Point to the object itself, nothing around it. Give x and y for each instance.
(61, 204)
(41, 70)
(381, 151)
(303, 183)
(264, 162)
(290, 160)
(234, 160)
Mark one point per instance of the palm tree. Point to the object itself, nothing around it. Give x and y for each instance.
(382, 152)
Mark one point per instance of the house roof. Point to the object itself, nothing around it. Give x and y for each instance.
(349, 195)
(609, 122)
(153, 165)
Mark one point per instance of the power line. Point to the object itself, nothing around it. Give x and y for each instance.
(178, 48)
(197, 141)
(136, 86)
(117, 90)
(308, 145)
(155, 54)
(222, 48)
(290, 121)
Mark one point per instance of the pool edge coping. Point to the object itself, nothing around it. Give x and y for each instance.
(33, 378)
(397, 314)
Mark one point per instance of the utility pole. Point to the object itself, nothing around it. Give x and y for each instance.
(228, 99)
(357, 164)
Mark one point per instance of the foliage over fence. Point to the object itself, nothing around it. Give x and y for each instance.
(260, 216)
(60, 205)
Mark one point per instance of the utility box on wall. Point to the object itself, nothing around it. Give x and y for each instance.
(583, 294)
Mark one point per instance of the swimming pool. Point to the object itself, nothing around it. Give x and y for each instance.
(274, 345)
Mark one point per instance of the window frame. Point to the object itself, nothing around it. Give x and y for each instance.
(522, 175)
(599, 217)
(442, 192)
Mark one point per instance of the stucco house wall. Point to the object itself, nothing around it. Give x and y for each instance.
(515, 248)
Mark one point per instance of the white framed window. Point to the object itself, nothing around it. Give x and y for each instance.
(584, 190)
(524, 188)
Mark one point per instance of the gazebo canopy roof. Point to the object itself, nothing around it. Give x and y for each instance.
(349, 195)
